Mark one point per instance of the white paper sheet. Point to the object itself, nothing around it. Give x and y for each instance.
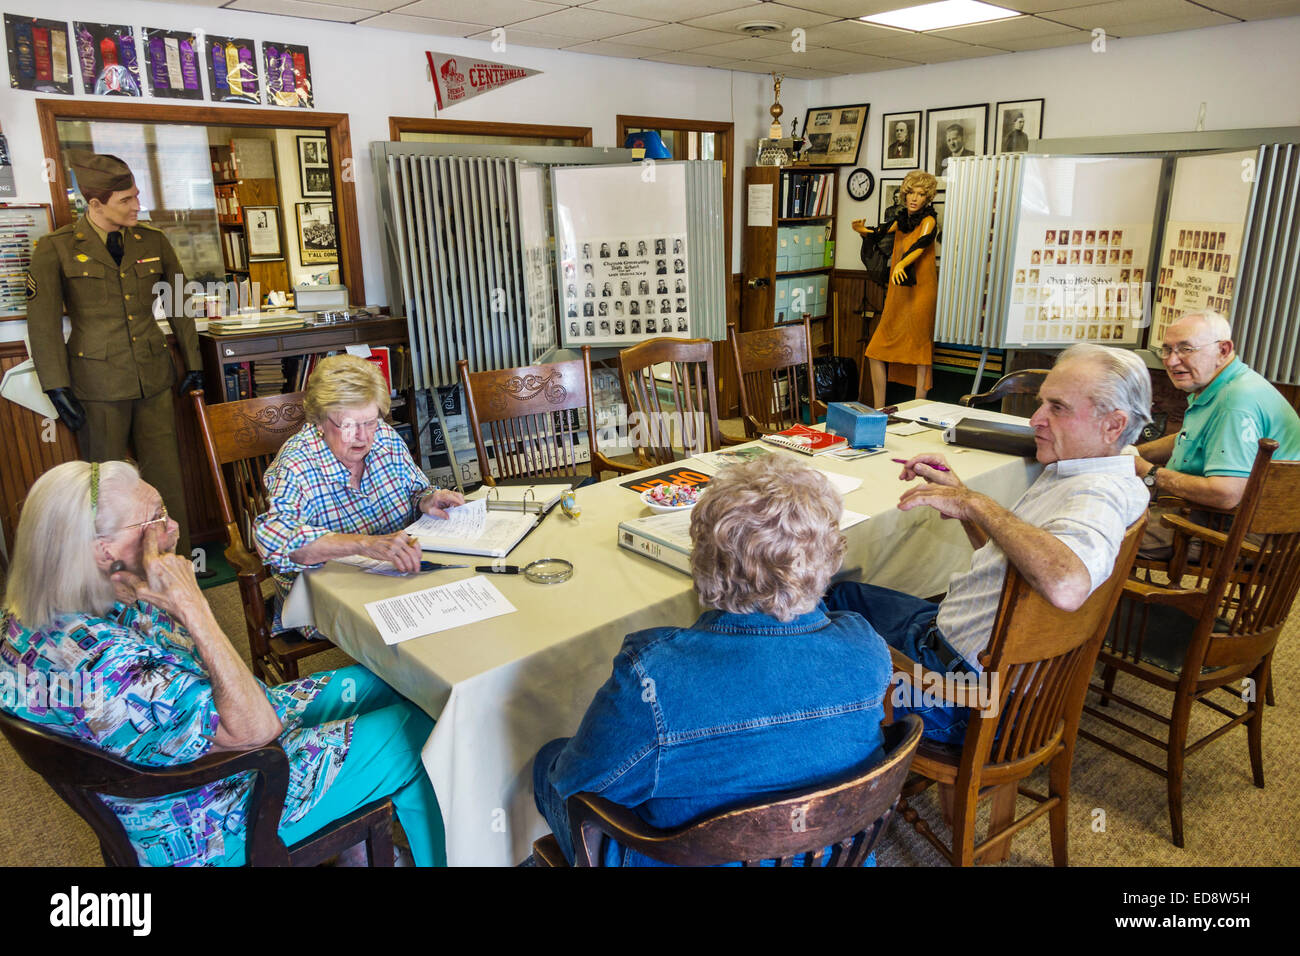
(464, 522)
(843, 483)
(437, 609)
(945, 416)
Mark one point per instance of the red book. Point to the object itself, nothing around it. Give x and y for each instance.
(807, 441)
(379, 355)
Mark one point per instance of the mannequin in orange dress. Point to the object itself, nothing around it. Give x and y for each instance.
(905, 334)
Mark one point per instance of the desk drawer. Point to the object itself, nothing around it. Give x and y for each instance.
(324, 339)
(232, 347)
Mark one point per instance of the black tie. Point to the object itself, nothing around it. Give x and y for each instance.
(115, 246)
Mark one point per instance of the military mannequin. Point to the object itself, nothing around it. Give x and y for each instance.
(112, 381)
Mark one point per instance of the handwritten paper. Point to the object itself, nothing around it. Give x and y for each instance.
(464, 522)
(437, 609)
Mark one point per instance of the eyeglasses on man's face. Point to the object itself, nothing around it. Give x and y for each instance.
(349, 428)
(1182, 351)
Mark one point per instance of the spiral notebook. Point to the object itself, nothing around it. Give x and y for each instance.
(807, 441)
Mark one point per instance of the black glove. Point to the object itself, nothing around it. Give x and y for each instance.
(192, 381)
(70, 411)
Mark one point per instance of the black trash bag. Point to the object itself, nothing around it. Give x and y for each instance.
(836, 377)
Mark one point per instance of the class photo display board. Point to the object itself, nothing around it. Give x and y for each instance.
(1082, 251)
(622, 265)
(1201, 252)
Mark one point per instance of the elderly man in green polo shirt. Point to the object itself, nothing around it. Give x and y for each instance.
(1230, 408)
(112, 380)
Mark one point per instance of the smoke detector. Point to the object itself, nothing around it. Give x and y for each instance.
(759, 28)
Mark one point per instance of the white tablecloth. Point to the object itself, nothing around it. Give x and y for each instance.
(501, 688)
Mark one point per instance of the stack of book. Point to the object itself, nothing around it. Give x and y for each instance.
(255, 322)
(806, 194)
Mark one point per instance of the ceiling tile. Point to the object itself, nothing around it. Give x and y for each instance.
(684, 59)
(674, 36)
(1043, 6)
(1193, 21)
(376, 6)
(527, 38)
(671, 9)
(809, 74)
(1081, 37)
(848, 63)
(851, 8)
(426, 25)
(747, 66)
(611, 48)
(1110, 16)
(489, 12)
(1255, 9)
(840, 33)
(993, 34)
(902, 43)
(810, 59)
(303, 8)
(746, 48)
(947, 56)
(583, 24)
(788, 16)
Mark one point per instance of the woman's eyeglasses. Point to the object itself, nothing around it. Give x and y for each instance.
(162, 517)
(350, 429)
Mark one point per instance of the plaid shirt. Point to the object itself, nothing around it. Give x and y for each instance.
(310, 496)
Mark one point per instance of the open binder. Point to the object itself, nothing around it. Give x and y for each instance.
(511, 513)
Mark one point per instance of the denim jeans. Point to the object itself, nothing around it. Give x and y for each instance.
(907, 624)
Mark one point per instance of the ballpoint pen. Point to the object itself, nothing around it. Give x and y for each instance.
(903, 461)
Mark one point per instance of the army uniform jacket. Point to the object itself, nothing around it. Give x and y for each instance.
(116, 351)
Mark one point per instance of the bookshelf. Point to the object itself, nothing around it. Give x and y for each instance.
(787, 261)
(236, 188)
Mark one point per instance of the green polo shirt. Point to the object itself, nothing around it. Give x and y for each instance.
(1225, 422)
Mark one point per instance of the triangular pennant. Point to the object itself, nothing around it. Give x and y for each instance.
(459, 78)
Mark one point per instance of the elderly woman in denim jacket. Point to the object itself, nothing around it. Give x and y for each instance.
(766, 692)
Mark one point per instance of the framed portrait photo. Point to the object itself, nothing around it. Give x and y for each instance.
(263, 226)
(1017, 122)
(955, 131)
(889, 196)
(318, 242)
(900, 145)
(834, 134)
(314, 167)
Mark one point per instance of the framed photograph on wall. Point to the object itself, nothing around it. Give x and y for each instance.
(1018, 121)
(900, 144)
(889, 196)
(834, 134)
(955, 131)
(318, 242)
(263, 226)
(314, 167)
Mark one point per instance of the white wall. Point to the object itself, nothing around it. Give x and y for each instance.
(372, 74)
(1247, 74)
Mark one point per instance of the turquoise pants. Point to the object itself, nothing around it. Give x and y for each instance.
(383, 761)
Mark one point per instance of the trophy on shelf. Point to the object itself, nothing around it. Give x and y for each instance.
(775, 150)
(799, 144)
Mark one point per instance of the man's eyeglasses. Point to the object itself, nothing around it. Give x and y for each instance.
(162, 517)
(1182, 351)
(349, 429)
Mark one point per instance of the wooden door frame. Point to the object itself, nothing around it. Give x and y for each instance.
(397, 125)
(334, 125)
(726, 130)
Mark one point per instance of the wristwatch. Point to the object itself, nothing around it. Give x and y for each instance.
(1149, 479)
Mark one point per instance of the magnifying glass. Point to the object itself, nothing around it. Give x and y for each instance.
(541, 571)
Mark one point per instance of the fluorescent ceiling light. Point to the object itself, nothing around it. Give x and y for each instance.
(939, 16)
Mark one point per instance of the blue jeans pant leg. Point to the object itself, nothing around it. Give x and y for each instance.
(549, 802)
(904, 621)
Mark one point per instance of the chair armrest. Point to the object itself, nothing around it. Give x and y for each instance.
(1209, 535)
(932, 682)
(1188, 600)
(241, 559)
(161, 781)
(600, 463)
(591, 815)
(733, 440)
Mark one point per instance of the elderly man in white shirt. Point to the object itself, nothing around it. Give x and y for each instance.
(1062, 535)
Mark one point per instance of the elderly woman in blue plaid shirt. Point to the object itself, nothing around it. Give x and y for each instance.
(345, 484)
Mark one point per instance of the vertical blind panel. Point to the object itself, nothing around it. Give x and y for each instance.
(1266, 309)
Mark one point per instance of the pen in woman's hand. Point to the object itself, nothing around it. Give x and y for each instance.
(903, 461)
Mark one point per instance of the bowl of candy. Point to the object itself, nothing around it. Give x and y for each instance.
(665, 499)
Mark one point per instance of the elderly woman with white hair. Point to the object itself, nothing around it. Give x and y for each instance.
(345, 484)
(95, 597)
(695, 718)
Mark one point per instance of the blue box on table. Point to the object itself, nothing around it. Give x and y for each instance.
(862, 425)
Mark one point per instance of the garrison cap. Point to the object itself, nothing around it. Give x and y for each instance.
(100, 172)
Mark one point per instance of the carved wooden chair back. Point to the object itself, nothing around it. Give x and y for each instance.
(767, 365)
(669, 386)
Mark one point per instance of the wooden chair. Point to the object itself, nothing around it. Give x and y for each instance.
(850, 815)
(77, 771)
(531, 414)
(246, 436)
(688, 422)
(767, 363)
(1038, 662)
(1025, 382)
(1195, 640)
